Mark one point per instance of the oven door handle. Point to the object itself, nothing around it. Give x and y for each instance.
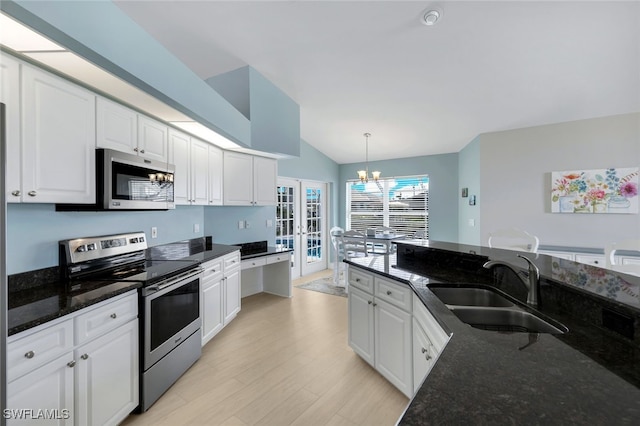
(185, 276)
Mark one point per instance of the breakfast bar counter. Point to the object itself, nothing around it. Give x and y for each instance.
(588, 375)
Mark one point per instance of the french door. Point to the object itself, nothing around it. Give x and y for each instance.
(301, 224)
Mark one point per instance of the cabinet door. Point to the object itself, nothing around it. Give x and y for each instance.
(393, 345)
(238, 179)
(361, 336)
(199, 172)
(48, 387)
(179, 156)
(59, 131)
(265, 175)
(116, 126)
(10, 97)
(424, 355)
(231, 293)
(215, 176)
(212, 320)
(152, 139)
(107, 377)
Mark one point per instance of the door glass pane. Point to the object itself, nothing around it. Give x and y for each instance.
(285, 217)
(314, 224)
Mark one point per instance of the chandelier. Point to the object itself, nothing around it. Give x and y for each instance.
(363, 175)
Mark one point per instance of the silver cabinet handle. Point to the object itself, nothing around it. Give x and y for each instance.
(32, 193)
(15, 193)
(29, 354)
(375, 304)
(113, 315)
(388, 292)
(71, 364)
(135, 149)
(357, 280)
(142, 151)
(85, 356)
(369, 302)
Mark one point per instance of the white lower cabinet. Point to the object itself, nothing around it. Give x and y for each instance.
(56, 380)
(380, 326)
(220, 294)
(386, 330)
(107, 377)
(44, 396)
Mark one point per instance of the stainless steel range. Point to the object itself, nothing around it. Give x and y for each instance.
(169, 302)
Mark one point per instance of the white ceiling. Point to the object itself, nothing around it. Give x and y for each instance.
(371, 66)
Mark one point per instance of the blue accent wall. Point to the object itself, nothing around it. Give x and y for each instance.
(443, 188)
(274, 116)
(222, 224)
(34, 230)
(469, 175)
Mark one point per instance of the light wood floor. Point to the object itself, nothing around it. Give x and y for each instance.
(280, 362)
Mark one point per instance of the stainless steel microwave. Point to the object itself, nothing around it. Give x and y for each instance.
(129, 182)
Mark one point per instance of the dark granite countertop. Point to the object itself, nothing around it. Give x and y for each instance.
(589, 375)
(36, 297)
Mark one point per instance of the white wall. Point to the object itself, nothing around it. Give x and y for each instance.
(516, 168)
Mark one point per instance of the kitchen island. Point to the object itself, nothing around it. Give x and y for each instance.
(588, 375)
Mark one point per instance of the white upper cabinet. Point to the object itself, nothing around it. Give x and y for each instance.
(10, 97)
(58, 140)
(249, 180)
(117, 127)
(265, 176)
(190, 156)
(215, 189)
(153, 138)
(179, 156)
(123, 129)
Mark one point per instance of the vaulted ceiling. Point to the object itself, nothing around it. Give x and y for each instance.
(372, 66)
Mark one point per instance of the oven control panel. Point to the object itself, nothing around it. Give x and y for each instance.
(91, 248)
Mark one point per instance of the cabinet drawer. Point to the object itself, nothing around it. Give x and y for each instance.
(232, 260)
(591, 259)
(395, 294)
(105, 317)
(278, 258)
(437, 335)
(37, 348)
(361, 280)
(212, 269)
(254, 263)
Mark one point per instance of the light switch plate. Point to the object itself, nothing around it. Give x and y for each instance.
(241, 224)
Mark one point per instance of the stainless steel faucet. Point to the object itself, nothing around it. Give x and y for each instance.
(532, 281)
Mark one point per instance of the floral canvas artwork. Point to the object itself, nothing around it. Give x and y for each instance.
(595, 191)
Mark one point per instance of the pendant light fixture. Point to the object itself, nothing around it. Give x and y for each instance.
(363, 175)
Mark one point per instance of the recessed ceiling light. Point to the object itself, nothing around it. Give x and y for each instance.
(431, 17)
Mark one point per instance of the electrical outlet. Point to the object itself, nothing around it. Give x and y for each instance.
(154, 232)
(472, 222)
(196, 228)
(247, 225)
(241, 224)
(269, 223)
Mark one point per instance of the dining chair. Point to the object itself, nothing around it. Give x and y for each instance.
(336, 240)
(627, 265)
(354, 244)
(513, 239)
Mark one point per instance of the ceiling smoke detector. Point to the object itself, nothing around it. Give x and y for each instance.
(431, 17)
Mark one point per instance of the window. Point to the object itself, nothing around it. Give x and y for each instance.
(401, 203)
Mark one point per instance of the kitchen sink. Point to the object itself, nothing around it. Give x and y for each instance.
(470, 296)
(506, 319)
(487, 308)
